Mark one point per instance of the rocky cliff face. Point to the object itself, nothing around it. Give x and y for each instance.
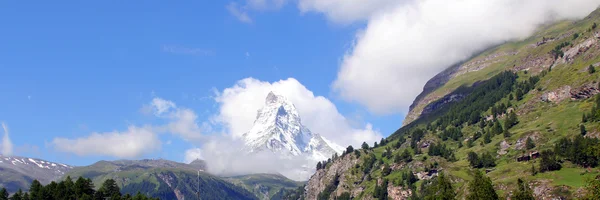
(323, 177)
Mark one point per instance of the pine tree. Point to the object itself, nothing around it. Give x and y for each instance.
(365, 145)
(591, 69)
(17, 196)
(529, 144)
(36, 191)
(110, 188)
(523, 192)
(481, 188)
(446, 192)
(582, 130)
(3, 194)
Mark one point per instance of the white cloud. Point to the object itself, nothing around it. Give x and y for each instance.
(132, 143)
(193, 154)
(239, 105)
(401, 48)
(225, 156)
(182, 121)
(7, 146)
(347, 11)
(239, 12)
(161, 106)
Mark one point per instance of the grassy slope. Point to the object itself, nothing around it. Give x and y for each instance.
(184, 180)
(551, 121)
(273, 183)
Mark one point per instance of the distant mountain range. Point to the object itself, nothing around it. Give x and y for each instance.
(18, 172)
(277, 128)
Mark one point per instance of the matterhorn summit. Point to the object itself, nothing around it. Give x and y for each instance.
(278, 128)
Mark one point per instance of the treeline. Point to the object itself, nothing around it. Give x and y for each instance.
(484, 161)
(81, 189)
(481, 98)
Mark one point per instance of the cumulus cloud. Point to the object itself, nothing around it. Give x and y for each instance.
(182, 121)
(193, 154)
(239, 104)
(401, 48)
(132, 143)
(7, 146)
(225, 156)
(347, 11)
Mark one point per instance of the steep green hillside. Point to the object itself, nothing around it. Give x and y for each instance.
(265, 186)
(524, 114)
(161, 178)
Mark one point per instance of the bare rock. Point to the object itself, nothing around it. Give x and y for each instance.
(504, 145)
(557, 95)
(584, 92)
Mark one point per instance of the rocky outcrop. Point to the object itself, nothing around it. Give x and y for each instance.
(584, 92)
(323, 177)
(578, 49)
(441, 102)
(399, 192)
(558, 95)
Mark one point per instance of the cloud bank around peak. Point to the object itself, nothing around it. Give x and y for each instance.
(403, 47)
(239, 104)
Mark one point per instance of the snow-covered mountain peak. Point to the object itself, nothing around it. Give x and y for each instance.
(278, 128)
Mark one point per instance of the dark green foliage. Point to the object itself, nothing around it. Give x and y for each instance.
(453, 132)
(480, 98)
(368, 163)
(575, 36)
(557, 51)
(405, 156)
(387, 153)
(511, 120)
(594, 25)
(82, 189)
(365, 145)
(439, 188)
(3, 194)
(523, 191)
(582, 130)
(319, 165)
(497, 128)
(594, 114)
(591, 69)
(349, 149)
(110, 188)
(581, 151)
(549, 162)
(409, 178)
(17, 196)
(386, 170)
(487, 138)
(296, 194)
(506, 133)
(416, 137)
(481, 188)
(529, 144)
(442, 151)
(381, 190)
(485, 160)
(375, 145)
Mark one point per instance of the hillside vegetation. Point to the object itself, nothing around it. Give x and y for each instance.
(517, 121)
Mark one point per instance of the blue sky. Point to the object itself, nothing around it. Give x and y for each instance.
(83, 81)
(70, 69)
